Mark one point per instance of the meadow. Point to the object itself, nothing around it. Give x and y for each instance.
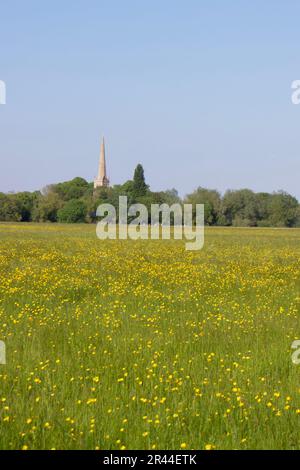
(144, 345)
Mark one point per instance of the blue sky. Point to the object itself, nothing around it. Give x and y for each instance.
(197, 91)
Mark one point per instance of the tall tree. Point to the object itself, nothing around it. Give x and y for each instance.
(139, 186)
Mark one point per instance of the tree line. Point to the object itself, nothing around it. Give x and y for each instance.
(76, 201)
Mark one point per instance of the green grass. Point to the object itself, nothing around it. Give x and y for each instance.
(142, 344)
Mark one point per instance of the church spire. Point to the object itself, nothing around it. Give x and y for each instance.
(101, 179)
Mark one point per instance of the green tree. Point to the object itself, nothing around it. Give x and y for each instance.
(283, 210)
(46, 207)
(212, 204)
(73, 211)
(139, 187)
(74, 189)
(9, 210)
(263, 202)
(25, 202)
(240, 208)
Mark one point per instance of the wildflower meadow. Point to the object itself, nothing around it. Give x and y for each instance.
(122, 344)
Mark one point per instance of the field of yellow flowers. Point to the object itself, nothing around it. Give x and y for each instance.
(144, 345)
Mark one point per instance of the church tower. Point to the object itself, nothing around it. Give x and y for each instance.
(101, 179)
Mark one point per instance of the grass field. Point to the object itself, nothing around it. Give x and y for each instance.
(141, 344)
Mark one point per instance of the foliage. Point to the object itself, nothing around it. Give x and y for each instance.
(139, 186)
(73, 211)
(240, 208)
(212, 203)
(47, 207)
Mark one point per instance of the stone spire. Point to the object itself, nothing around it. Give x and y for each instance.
(101, 179)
